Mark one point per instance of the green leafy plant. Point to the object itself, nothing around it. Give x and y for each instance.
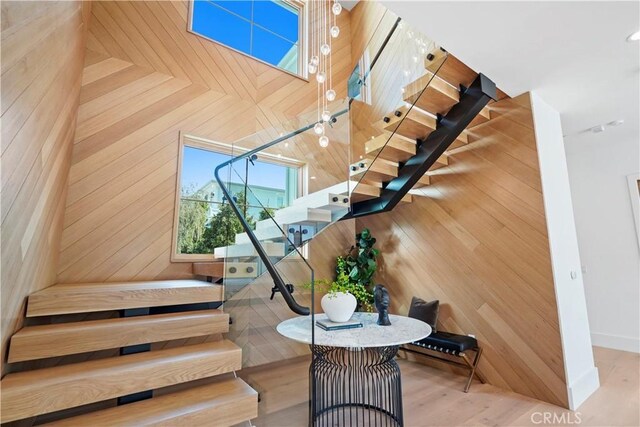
(361, 262)
(355, 271)
(343, 284)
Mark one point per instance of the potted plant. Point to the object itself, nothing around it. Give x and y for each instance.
(338, 303)
(354, 272)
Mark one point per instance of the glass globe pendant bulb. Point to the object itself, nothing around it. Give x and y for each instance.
(318, 128)
(324, 141)
(321, 76)
(325, 49)
(336, 8)
(331, 95)
(326, 115)
(312, 68)
(335, 31)
(314, 60)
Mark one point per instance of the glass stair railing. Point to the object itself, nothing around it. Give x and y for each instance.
(407, 106)
(408, 113)
(273, 242)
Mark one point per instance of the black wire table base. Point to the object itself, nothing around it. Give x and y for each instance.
(355, 387)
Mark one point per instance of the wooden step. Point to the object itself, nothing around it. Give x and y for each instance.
(297, 215)
(32, 393)
(373, 171)
(441, 162)
(222, 403)
(246, 250)
(431, 94)
(417, 124)
(37, 342)
(364, 191)
(226, 269)
(391, 147)
(208, 269)
(65, 298)
(453, 71)
(410, 123)
(434, 95)
(323, 200)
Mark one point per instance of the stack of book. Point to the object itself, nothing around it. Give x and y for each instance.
(328, 325)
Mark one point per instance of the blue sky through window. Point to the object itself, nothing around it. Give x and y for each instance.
(267, 30)
(198, 166)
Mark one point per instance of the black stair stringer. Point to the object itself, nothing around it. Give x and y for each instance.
(472, 101)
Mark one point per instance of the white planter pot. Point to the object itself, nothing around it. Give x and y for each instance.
(339, 306)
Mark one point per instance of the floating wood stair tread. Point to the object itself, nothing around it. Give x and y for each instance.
(221, 403)
(208, 269)
(228, 269)
(431, 94)
(323, 199)
(272, 233)
(376, 171)
(436, 96)
(410, 123)
(37, 342)
(293, 215)
(453, 71)
(417, 124)
(32, 393)
(391, 147)
(364, 191)
(89, 297)
(246, 250)
(441, 162)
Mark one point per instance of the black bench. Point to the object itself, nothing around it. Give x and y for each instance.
(452, 344)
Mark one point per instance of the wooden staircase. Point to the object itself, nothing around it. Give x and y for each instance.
(396, 136)
(165, 313)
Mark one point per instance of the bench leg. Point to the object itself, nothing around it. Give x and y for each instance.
(473, 367)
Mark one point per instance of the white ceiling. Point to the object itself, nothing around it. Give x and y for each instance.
(574, 54)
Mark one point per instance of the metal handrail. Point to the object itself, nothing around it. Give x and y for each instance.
(277, 279)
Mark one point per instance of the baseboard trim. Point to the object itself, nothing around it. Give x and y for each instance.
(616, 342)
(580, 390)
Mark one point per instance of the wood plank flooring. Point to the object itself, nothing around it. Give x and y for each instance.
(434, 397)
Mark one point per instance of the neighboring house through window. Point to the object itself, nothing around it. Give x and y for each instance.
(269, 30)
(204, 219)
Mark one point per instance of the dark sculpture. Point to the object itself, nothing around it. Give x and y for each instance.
(381, 298)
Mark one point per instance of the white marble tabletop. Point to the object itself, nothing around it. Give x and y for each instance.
(401, 331)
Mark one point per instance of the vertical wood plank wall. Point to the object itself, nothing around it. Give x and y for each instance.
(42, 54)
(476, 239)
(145, 79)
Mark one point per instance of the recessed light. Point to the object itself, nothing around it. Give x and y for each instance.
(616, 122)
(597, 129)
(313, 177)
(634, 37)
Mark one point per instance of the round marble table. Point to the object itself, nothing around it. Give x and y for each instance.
(354, 378)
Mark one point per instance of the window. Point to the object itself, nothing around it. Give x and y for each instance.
(268, 30)
(203, 221)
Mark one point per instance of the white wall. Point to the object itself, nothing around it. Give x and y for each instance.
(580, 372)
(598, 168)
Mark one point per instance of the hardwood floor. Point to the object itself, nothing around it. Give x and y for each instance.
(434, 397)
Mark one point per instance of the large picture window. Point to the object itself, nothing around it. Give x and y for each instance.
(204, 221)
(269, 30)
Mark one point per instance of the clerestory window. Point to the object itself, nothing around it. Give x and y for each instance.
(268, 30)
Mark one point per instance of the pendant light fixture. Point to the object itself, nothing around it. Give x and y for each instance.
(324, 17)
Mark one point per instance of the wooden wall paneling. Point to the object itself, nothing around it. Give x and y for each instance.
(476, 240)
(42, 57)
(146, 79)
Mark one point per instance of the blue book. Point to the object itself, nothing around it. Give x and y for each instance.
(328, 325)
